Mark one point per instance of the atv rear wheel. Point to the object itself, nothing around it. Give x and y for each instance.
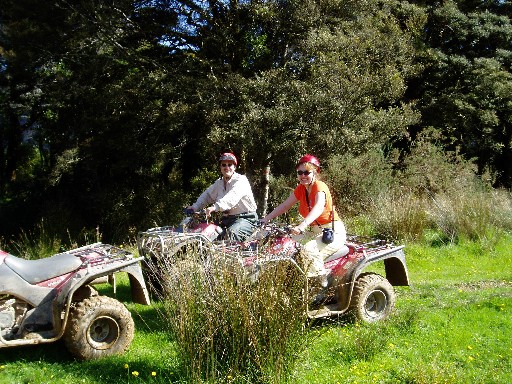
(98, 326)
(373, 298)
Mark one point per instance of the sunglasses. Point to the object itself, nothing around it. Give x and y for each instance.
(227, 165)
(305, 173)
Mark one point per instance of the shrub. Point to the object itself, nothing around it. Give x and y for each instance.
(400, 215)
(357, 181)
(280, 189)
(473, 214)
(428, 169)
(228, 325)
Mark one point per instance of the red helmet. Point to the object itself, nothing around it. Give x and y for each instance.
(309, 159)
(228, 156)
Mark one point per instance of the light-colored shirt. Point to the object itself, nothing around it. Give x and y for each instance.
(232, 197)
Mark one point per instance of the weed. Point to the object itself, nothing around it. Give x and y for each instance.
(227, 324)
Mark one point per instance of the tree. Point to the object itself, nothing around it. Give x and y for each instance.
(134, 98)
(303, 76)
(89, 86)
(465, 91)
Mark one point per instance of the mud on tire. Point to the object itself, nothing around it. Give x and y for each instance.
(98, 326)
(373, 298)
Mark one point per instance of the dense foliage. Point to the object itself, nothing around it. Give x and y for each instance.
(112, 114)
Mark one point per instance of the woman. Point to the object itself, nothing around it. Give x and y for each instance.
(232, 195)
(317, 211)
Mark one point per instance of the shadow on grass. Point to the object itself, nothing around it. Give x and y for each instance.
(51, 353)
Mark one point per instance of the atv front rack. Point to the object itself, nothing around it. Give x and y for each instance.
(165, 241)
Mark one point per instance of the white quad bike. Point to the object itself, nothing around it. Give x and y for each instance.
(44, 300)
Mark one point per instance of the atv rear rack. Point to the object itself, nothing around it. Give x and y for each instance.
(369, 246)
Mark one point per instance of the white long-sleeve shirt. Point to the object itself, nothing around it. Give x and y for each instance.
(232, 197)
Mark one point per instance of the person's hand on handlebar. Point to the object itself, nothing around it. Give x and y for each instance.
(299, 229)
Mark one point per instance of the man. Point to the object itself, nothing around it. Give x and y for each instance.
(232, 195)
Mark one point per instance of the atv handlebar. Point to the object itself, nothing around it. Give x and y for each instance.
(272, 230)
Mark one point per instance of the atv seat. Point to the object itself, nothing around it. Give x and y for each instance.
(35, 271)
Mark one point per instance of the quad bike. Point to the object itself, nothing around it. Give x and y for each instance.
(44, 300)
(161, 244)
(367, 296)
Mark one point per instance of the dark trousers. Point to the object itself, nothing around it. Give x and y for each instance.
(239, 227)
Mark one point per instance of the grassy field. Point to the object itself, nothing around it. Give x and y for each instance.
(452, 325)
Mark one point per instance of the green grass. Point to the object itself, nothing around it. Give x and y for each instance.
(452, 325)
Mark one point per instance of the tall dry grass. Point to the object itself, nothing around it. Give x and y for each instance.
(427, 194)
(42, 241)
(474, 214)
(230, 327)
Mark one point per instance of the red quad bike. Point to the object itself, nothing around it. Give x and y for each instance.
(367, 296)
(42, 301)
(160, 244)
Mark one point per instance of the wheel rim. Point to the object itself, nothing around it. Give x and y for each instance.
(103, 332)
(376, 303)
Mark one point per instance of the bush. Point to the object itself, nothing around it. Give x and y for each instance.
(280, 189)
(472, 214)
(358, 181)
(228, 325)
(400, 215)
(428, 170)
(431, 192)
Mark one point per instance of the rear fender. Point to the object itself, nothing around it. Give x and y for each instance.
(396, 269)
(395, 266)
(103, 274)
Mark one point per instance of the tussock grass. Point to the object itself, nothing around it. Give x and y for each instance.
(227, 325)
(42, 242)
(479, 215)
(400, 216)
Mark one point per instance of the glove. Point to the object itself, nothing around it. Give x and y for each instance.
(188, 211)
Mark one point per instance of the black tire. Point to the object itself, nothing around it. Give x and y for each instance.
(98, 326)
(152, 277)
(373, 298)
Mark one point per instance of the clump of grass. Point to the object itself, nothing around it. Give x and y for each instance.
(447, 217)
(35, 244)
(400, 215)
(41, 242)
(472, 214)
(228, 325)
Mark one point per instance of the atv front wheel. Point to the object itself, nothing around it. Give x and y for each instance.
(98, 326)
(373, 298)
